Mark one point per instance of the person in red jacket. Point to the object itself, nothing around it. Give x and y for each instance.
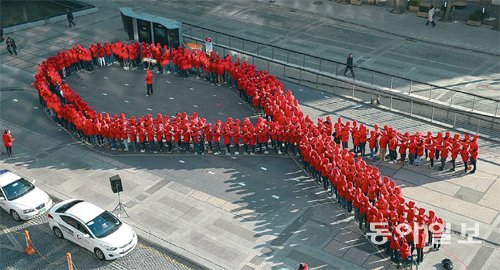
(220, 72)
(8, 140)
(406, 255)
(149, 82)
(412, 151)
(444, 149)
(217, 134)
(465, 154)
(474, 152)
(226, 133)
(384, 140)
(402, 149)
(393, 144)
(420, 244)
(432, 152)
(437, 232)
(455, 149)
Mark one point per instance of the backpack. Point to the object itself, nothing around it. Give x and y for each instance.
(447, 264)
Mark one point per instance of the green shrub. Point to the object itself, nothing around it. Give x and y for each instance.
(423, 9)
(476, 16)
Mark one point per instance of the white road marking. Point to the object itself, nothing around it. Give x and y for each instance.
(326, 96)
(276, 197)
(233, 157)
(191, 88)
(35, 107)
(171, 98)
(149, 109)
(263, 168)
(242, 184)
(301, 90)
(240, 103)
(196, 106)
(105, 77)
(182, 161)
(169, 82)
(210, 172)
(15, 100)
(126, 101)
(214, 95)
(104, 94)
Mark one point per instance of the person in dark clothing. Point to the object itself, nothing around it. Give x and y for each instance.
(11, 45)
(1, 35)
(348, 65)
(69, 16)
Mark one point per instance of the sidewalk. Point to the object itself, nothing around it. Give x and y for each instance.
(451, 34)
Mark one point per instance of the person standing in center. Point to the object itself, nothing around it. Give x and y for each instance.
(149, 82)
(8, 140)
(348, 65)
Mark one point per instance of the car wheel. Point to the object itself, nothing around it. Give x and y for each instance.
(99, 254)
(58, 233)
(15, 215)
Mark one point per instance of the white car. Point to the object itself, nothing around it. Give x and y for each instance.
(20, 198)
(93, 228)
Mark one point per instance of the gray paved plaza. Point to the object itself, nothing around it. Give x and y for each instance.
(250, 212)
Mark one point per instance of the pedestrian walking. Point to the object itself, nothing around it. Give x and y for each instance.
(69, 16)
(430, 18)
(149, 82)
(8, 140)
(11, 45)
(348, 65)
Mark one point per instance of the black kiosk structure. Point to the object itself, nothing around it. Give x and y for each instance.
(150, 28)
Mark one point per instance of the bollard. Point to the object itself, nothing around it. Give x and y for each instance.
(70, 261)
(30, 250)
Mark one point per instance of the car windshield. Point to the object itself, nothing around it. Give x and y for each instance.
(17, 189)
(104, 224)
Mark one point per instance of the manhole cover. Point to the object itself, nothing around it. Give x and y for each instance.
(318, 3)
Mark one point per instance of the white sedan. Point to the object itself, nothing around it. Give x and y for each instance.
(93, 228)
(20, 198)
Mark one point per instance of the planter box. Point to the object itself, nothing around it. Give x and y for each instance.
(474, 23)
(413, 8)
(356, 2)
(422, 14)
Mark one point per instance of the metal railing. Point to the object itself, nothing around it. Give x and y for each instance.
(464, 121)
(455, 98)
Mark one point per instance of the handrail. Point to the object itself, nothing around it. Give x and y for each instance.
(328, 75)
(342, 63)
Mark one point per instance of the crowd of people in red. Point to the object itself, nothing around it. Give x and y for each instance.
(322, 146)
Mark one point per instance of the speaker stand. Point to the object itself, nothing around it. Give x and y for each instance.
(120, 207)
